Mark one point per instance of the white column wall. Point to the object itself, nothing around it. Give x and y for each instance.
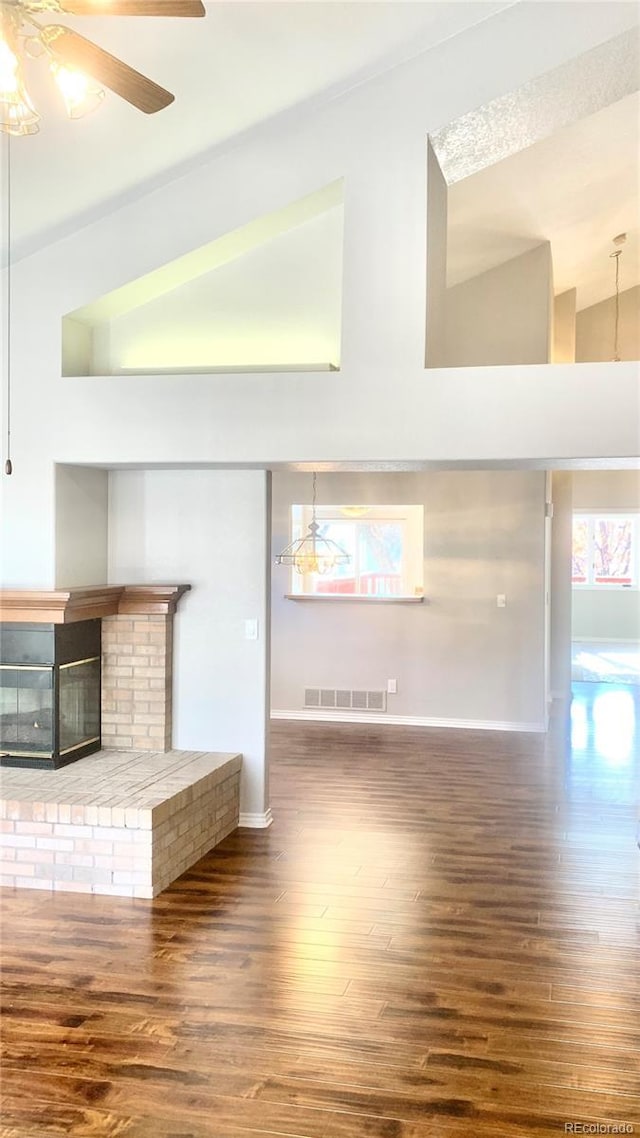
(209, 529)
(81, 526)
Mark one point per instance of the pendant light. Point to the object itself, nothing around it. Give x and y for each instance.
(313, 553)
(617, 253)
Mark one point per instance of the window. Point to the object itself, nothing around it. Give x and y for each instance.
(385, 547)
(605, 550)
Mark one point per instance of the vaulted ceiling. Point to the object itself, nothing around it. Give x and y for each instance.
(248, 62)
(230, 72)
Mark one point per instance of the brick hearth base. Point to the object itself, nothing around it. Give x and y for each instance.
(121, 823)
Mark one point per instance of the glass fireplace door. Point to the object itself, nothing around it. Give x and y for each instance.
(79, 684)
(27, 711)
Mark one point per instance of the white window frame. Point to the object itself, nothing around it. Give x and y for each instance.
(412, 548)
(591, 517)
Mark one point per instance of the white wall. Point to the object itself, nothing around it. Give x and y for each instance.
(457, 657)
(564, 327)
(81, 526)
(606, 614)
(437, 195)
(502, 316)
(277, 304)
(209, 529)
(375, 138)
(595, 328)
(77, 347)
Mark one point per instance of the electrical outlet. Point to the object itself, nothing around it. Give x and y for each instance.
(392, 687)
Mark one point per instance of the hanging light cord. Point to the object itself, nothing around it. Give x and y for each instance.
(8, 466)
(616, 354)
(313, 527)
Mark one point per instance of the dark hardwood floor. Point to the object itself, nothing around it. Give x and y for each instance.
(438, 938)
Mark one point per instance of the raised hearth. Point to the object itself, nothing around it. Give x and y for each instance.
(118, 823)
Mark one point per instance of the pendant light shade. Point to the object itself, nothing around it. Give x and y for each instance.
(313, 553)
(17, 114)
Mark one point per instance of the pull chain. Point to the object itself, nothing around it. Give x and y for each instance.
(8, 466)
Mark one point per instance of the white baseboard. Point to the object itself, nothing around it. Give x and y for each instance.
(328, 716)
(255, 821)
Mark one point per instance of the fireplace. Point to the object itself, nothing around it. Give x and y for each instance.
(49, 693)
(83, 668)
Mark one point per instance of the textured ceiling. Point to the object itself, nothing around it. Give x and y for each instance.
(554, 160)
(576, 189)
(538, 109)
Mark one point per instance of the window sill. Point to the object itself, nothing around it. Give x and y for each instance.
(346, 598)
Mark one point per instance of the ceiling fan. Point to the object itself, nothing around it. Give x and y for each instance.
(78, 66)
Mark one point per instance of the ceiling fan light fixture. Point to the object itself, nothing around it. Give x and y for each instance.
(8, 66)
(80, 68)
(80, 94)
(18, 116)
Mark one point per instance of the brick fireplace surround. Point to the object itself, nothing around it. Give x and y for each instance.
(132, 817)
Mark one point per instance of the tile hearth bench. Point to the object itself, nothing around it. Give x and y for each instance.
(117, 822)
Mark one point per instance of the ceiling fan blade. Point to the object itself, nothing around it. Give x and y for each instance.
(133, 7)
(76, 51)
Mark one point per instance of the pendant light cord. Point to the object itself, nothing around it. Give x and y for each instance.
(616, 324)
(8, 466)
(313, 527)
(616, 254)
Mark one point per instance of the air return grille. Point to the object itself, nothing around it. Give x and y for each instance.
(343, 699)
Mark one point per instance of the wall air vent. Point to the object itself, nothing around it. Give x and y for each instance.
(343, 699)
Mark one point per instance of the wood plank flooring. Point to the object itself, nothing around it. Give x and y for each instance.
(437, 938)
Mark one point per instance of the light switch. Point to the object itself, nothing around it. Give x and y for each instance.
(501, 601)
(251, 630)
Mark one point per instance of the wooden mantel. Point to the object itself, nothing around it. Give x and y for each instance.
(63, 606)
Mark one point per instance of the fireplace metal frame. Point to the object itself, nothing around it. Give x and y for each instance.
(54, 649)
